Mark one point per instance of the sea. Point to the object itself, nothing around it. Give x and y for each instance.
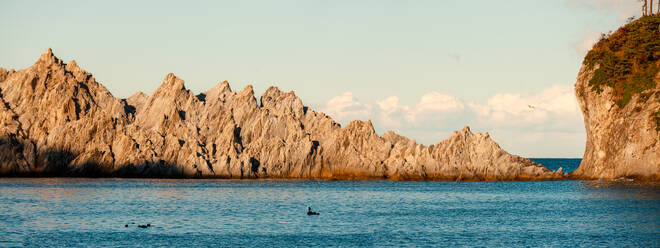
(84, 212)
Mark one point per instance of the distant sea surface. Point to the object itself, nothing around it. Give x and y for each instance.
(567, 164)
(72, 212)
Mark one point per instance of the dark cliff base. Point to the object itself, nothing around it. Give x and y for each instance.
(62, 169)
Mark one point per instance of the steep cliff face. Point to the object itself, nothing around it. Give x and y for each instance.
(57, 120)
(619, 94)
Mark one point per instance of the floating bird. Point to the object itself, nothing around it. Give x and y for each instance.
(530, 106)
(310, 212)
(144, 226)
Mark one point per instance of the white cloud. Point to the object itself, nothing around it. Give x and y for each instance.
(623, 8)
(391, 112)
(435, 106)
(346, 107)
(524, 120)
(512, 109)
(554, 107)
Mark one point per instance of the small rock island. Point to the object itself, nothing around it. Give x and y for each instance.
(57, 120)
(618, 89)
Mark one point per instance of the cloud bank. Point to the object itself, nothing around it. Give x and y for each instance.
(534, 124)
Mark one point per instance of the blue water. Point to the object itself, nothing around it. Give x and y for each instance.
(93, 212)
(567, 164)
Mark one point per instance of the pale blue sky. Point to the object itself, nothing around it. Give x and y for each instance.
(472, 50)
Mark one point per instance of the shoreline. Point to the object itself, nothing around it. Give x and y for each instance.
(583, 179)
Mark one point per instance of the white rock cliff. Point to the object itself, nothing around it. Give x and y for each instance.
(621, 142)
(618, 89)
(56, 120)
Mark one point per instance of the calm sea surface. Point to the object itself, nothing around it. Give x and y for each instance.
(93, 212)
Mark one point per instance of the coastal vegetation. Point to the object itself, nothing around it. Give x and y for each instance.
(627, 60)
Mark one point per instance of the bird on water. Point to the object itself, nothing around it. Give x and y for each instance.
(144, 226)
(310, 212)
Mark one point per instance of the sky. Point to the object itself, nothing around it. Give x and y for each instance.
(420, 68)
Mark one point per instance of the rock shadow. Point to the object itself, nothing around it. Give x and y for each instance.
(19, 158)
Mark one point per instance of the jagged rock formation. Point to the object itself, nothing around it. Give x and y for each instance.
(57, 120)
(618, 91)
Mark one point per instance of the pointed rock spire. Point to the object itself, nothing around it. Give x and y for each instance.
(171, 81)
(72, 66)
(223, 87)
(137, 100)
(363, 126)
(48, 53)
(171, 86)
(247, 96)
(249, 90)
(49, 58)
(285, 103)
(218, 91)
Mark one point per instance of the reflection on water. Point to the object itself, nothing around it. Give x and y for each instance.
(93, 212)
(621, 189)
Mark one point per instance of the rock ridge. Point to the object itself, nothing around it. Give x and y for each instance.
(56, 120)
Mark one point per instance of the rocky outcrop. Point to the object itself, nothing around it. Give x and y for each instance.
(57, 120)
(621, 142)
(618, 90)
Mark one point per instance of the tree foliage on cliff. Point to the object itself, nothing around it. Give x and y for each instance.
(627, 60)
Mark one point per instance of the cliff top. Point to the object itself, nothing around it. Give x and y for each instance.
(627, 60)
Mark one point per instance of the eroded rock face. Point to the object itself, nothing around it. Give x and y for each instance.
(57, 120)
(621, 142)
